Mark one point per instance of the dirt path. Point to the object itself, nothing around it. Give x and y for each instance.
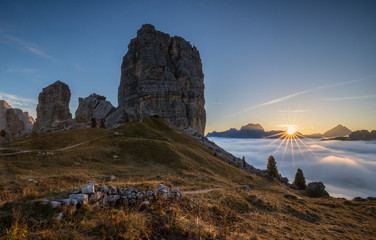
(56, 150)
(201, 191)
(79, 144)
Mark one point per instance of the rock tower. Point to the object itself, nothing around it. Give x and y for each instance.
(162, 75)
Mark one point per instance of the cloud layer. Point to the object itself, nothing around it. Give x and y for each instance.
(348, 169)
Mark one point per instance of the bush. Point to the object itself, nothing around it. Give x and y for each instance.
(93, 123)
(299, 180)
(102, 124)
(3, 133)
(272, 168)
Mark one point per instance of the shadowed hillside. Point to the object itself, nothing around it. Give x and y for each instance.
(144, 153)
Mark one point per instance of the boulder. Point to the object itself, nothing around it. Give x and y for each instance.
(55, 204)
(104, 189)
(162, 75)
(79, 198)
(112, 199)
(93, 106)
(88, 189)
(360, 199)
(93, 198)
(53, 108)
(316, 189)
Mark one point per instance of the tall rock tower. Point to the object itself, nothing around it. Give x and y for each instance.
(53, 106)
(162, 75)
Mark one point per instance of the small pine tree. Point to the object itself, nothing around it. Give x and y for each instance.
(299, 180)
(93, 123)
(272, 167)
(102, 124)
(244, 162)
(3, 133)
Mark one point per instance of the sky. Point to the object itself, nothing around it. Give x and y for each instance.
(311, 64)
(347, 169)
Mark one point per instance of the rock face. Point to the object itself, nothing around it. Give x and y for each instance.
(316, 189)
(162, 75)
(363, 135)
(94, 106)
(14, 122)
(338, 131)
(53, 107)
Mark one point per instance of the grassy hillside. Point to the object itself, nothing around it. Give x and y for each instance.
(150, 152)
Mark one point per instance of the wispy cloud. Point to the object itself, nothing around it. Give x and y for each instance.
(30, 47)
(295, 111)
(350, 98)
(281, 99)
(22, 70)
(26, 104)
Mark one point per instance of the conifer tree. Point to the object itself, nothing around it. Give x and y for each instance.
(299, 180)
(102, 124)
(93, 123)
(272, 167)
(244, 162)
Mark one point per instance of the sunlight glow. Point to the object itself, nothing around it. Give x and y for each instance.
(288, 139)
(291, 130)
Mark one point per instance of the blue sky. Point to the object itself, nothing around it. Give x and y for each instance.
(306, 63)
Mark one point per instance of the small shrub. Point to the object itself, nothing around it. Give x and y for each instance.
(17, 232)
(244, 162)
(102, 123)
(93, 123)
(299, 180)
(3, 133)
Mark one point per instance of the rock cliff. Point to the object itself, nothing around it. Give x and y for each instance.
(94, 106)
(162, 75)
(14, 122)
(53, 107)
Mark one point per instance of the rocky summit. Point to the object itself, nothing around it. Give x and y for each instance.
(93, 106)
(162, 75)
(14, 122)
(53, 107)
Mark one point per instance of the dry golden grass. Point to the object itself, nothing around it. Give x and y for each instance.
(150, 152)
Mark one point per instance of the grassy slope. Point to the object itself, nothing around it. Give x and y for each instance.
(150, 152)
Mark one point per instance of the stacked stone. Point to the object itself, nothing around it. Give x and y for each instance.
(115, 196)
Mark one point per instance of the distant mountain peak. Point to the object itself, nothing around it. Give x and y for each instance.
(251, 126)
(338, 131)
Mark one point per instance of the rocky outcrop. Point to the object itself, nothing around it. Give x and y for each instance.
(316, 189)
(53, 108)
(162, 75)
(14, 122)
(94, 106)
(363, 135)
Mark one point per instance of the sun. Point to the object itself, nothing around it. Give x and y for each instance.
(291, 131)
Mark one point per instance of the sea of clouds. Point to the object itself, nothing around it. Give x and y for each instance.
(347, 168)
